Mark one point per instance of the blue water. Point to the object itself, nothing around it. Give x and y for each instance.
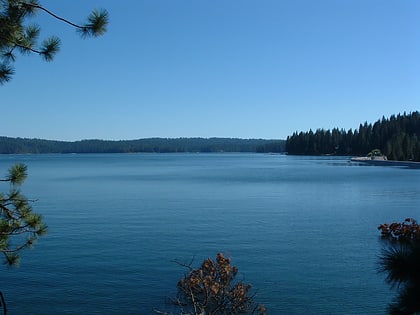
(302, 230)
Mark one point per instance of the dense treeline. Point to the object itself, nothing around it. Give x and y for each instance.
(151, 145)
(398, 137)
(275, 146)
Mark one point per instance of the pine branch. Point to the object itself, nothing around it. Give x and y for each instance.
(17, 219)
(18, 248)
(8, 212)
(15, 36)
(18, 174)
(6, 73)
(96, 26)
(37, 6)
(24, 47)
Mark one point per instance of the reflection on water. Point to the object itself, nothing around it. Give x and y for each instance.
(302, 230)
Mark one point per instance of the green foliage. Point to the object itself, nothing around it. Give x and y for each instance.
(16, 35)
(20, 227)
(96, 24)
(17, 174)
(397, 137)
(49, 48)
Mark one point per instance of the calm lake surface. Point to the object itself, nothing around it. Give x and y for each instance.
(302, 230)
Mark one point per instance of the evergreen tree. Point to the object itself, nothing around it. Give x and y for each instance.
(397, 137)
(20, 227)
(18, 36)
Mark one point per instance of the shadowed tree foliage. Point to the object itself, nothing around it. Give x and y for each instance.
(400, 260)
(213, 290)
(149, 145)
(18, 36)
(396, 137)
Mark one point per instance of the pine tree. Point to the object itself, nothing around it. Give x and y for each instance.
(397, 137)
(20, 227)
(17, 36)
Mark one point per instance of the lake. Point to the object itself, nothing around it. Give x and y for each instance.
(301, 230)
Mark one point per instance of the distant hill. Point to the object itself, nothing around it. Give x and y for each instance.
(150, 145)
(398, 137)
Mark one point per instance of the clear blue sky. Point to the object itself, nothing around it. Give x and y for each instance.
(218, 68)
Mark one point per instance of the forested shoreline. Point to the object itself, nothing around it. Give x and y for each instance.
(398, 137)
(10, 145)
